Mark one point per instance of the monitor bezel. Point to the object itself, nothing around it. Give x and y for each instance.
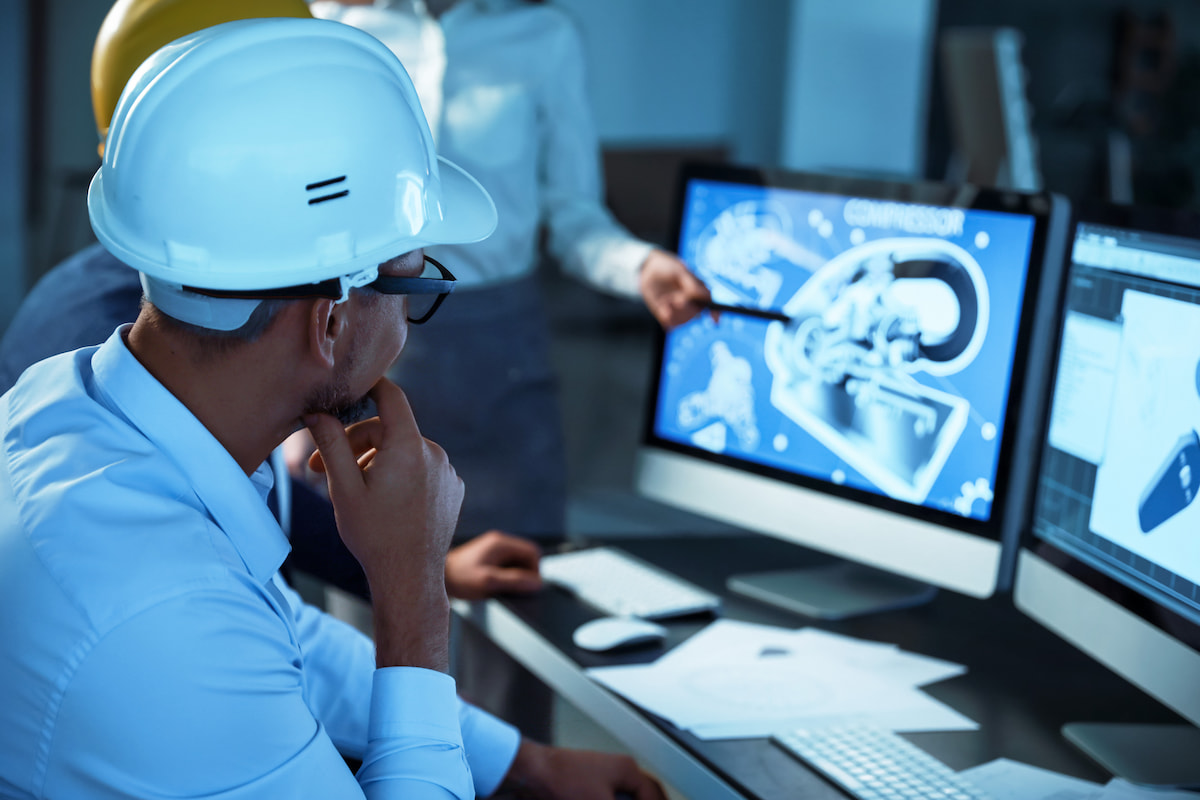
(1083, 607)
(1042, 279)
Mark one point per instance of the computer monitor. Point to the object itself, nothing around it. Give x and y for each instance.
(1112, 559)
(878, 414)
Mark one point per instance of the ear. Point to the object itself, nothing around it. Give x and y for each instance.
(327, 324)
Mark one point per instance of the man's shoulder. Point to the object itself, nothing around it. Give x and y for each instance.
(102, 545)
(59, 439)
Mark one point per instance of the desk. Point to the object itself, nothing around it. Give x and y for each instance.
(1022, 682)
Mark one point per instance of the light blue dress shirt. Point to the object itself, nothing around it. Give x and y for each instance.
(148, 647)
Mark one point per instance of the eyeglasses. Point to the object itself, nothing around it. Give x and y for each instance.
(424, 292)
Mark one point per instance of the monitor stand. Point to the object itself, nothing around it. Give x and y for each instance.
(833, 592)
(1147, 755)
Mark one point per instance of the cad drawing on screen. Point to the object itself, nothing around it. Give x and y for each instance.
(860, 328)
(728, 399)
(1173, 487)
(733, 251)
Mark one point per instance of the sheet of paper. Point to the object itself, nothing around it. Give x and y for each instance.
(1005, 779)
(899, 665)
(731, 640)
(924, 714)
(765, 688)
(726, 640)
(739, 679)
(1118, 789)
(917, 670)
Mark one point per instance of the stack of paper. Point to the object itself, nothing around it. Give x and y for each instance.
(741, 680)
(1004, 779)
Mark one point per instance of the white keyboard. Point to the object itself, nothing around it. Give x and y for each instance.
(876, 764)
(616, 583)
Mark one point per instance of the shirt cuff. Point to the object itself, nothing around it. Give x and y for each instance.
(414, 702)
(624, 259)
(491, 747)
(609, 261)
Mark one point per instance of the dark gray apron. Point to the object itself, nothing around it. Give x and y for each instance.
(481, 384)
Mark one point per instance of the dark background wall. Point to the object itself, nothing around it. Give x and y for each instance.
(1095, 67)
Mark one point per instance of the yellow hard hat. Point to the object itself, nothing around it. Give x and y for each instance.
(134, 29)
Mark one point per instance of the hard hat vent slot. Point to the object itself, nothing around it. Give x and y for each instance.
(322, 184)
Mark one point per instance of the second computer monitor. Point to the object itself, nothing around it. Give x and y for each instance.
(874, 412)
(1111, 562)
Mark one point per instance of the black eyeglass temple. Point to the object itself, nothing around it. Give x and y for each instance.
(331, 289)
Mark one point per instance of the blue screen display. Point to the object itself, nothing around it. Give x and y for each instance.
(891, 372)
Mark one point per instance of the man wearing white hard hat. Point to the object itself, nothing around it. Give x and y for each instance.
(82, 300)
(279, 239)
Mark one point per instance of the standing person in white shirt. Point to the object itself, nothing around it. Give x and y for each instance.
(502, 83)
(503, 86)
(152, 649)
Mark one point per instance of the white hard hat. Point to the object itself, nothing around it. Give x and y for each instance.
(271, 153)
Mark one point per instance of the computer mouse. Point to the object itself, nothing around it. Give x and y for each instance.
(608, 633)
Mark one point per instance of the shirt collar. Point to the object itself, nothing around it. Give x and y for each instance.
(235, 502)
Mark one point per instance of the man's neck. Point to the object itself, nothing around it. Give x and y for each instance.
(238, 398)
